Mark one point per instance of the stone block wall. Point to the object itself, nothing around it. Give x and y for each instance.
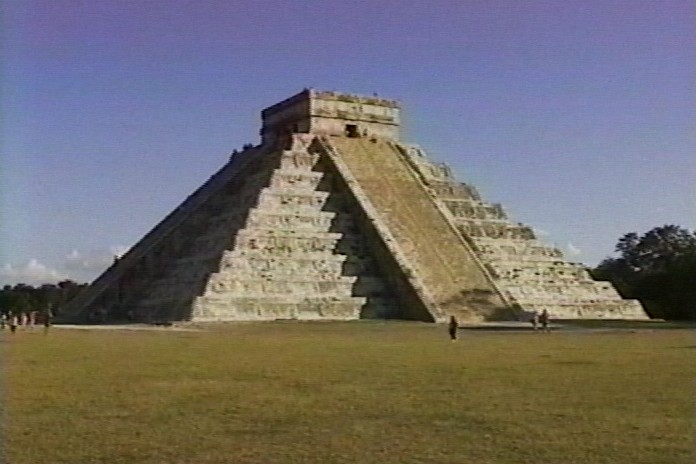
(531, 275)
(299, 255)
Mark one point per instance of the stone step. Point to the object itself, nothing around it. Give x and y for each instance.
(274, 232)
(259, 253)
(493, 229)
(303, 264)
(526, 300)
(237, 285)
(515, 242)
(588, 290)
(618, 309)
(510, 260)
(296, 179)
(538, 271)
(453, 190)
(221, 287)
(503, 251)
(305, 220)
(259, 308)
(279, 244)
(472, 209)
(290, 264)
(429, 170)
(514, 264)
(271, 200)
(298, 160)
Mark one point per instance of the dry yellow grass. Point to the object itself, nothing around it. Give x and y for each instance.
(349, 392)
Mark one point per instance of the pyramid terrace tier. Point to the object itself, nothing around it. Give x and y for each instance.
(298, 160)
(295, 179)
(431, 172)
(486, 228)
(223, 286)
(335, 286)
(309, 309)
(558, 291)
(453, 191)
(269, 308)
(287, 243)
(516, 250)
(615, 309)
(539, 271)
(262, 265)
(297, 219)
(328, 285)
(300, 200)
(474, 209)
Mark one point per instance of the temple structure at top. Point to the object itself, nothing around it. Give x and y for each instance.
(330, 113)
(332, 216)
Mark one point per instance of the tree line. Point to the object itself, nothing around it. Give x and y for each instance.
(23, 298)
(658, 268)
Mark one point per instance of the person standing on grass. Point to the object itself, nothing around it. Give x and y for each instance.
(544, 319)
(31, 321)
(14, 319)
(47, 319)
(535, 320)
(452, 328)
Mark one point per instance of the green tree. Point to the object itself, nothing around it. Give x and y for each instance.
(658, 268)
(24, 298)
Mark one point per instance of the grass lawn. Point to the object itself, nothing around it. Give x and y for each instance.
(623, 324)
(363, 392)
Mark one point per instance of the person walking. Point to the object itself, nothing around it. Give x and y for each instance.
(47, 319)
(452, 327)
(544, 319)
(14, 320)
(31, 319)
(535, 321)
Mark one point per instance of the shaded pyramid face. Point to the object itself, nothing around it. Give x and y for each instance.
(277, 240)
(331, 217)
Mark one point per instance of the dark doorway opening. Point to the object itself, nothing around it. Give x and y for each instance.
(352, 130)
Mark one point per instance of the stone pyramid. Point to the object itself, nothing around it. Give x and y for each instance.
(331, 216)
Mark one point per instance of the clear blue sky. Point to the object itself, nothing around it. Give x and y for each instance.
(577, 116)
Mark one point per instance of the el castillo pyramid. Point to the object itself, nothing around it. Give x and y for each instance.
(331, 216)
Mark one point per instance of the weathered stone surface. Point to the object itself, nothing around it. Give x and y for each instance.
(531, 275)
(332, 217)
(437, 257)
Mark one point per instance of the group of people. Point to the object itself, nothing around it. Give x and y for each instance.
(538, 320)
(541, 321)
(27, 320)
